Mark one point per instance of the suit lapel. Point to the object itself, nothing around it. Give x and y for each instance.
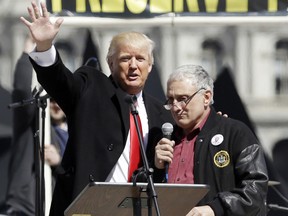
(117, 97)
(123, 108)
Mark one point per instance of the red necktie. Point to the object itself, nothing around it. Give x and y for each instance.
(135, 155)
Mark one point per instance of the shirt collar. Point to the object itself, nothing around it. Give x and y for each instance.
(139, 99)
(179, 134)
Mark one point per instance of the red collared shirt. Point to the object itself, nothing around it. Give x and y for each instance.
(182, 167)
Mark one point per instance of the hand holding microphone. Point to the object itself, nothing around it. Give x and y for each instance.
(164, 149)
(167, 129)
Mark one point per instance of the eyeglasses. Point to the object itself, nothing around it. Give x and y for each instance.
(181, 103)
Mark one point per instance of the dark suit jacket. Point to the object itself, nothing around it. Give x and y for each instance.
(98, 124)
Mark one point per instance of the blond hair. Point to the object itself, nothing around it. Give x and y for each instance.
(135, 39)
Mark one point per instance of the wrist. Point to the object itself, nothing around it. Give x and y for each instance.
(43, 47)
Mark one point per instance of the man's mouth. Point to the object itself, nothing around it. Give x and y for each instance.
(133, 76)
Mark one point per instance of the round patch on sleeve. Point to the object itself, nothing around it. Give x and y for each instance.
(221, 159)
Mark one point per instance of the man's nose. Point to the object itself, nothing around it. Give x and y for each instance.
(176, 105)
(133, 62)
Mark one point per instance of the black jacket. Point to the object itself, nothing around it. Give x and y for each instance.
(98, 124)
(234, 167)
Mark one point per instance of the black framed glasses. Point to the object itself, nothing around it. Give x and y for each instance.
(180, 103)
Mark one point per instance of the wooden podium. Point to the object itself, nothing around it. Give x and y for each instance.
(118, 199)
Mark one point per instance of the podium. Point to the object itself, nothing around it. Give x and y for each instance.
(107, 199)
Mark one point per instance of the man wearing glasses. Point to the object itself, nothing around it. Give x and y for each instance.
(207, 148)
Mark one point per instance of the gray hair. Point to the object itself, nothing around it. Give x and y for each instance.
(195, 75)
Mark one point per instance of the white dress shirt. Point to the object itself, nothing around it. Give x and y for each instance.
(120, 171)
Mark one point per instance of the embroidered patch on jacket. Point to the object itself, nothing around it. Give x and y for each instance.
(217, 139)
(221, 159)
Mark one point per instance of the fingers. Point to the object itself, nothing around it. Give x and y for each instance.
(58, 22)
(31, 13)
(26, 22)
(45, 13)
(35, 13)
(51, 154)
(44, 10)
(163, 152)
(220, 113)
(201, 210)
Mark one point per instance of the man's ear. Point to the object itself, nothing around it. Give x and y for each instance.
(207, 97)
(110, 64)
(150, 67)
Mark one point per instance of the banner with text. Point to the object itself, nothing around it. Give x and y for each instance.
(152, 8)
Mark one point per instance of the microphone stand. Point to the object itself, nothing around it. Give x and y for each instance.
(41, 102)
(148, 171)
(276, 207)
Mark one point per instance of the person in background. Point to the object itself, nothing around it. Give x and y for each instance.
(98, 147)
(207, 148)
(59, 135)
(20, 197)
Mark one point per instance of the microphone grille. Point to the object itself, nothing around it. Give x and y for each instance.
(167, 128)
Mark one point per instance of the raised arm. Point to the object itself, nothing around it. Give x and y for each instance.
(41, 28)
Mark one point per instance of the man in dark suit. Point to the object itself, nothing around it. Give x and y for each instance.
(97, 114)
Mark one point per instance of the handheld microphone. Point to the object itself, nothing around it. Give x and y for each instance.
(167, 129)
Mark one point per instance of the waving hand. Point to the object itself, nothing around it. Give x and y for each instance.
(41, 28)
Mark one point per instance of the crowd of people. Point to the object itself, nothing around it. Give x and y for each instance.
(206, 148)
